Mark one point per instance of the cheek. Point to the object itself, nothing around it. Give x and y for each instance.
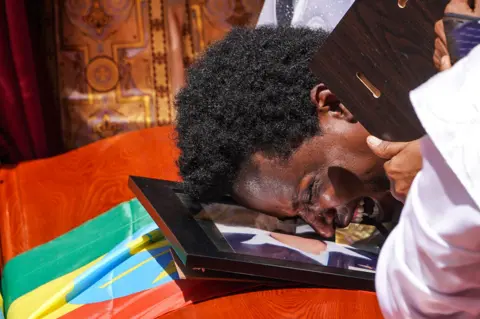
(351, 134)
(353, 141)
(353, 153)
(358, 133)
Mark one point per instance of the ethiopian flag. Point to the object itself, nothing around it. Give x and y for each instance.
(116, 265)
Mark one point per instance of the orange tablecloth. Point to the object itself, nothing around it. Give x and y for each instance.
(43, 199)
(286, 303)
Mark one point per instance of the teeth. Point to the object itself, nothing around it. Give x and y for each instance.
(359, 212)
(360, 206)
(375, 211)
(357, 219)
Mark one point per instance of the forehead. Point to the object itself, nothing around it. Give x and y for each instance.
(269, 184)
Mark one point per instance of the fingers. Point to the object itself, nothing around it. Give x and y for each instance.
(461, 2)
(441, 47)
(445, 63)
(463, 7)
(397, 188)
(441, 59)
(384, 149)
(437, 61)
(400, 179)
(400, 197)
(398, 191)
(440, 31)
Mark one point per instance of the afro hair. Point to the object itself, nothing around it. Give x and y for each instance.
(248, 93)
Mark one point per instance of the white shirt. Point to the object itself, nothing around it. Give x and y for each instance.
(429, 266)
(324, 14)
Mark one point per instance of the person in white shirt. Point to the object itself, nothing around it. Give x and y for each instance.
(429, 266)
(314, 14)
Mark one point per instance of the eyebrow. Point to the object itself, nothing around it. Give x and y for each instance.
(295, 202)
(295, 197)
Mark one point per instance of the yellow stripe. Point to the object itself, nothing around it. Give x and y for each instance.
(1, 305)
(48, 299)
(62, 311)
(137, 244)
(158, 244)
(170, 269)
(126, 272)
(56, 301)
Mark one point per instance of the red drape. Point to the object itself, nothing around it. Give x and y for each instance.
(23, 133)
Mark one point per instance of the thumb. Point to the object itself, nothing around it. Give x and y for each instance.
(445, 63)
(384, 149)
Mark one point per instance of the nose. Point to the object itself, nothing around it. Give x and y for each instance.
(345, 185)
(327, 205)
(329, 199)
(333, 207)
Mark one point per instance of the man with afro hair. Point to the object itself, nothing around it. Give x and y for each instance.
(254, 123)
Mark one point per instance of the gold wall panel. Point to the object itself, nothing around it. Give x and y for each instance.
(119, 62)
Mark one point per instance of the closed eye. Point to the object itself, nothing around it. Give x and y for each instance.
(314, 190)
(310, 186)
(310, 192)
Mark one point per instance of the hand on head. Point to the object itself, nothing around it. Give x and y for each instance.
(441, 58)
(404, 161)
(464, 7)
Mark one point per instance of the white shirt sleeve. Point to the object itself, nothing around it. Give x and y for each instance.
(314, 14)
(429, 266)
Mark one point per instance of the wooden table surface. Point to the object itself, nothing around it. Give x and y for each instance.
(43, 199)
(285, 303)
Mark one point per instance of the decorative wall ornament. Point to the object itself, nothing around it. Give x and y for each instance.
(119, 63)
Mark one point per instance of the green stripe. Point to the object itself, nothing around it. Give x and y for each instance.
(72, 250)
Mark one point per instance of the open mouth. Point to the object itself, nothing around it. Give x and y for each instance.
(358, 211)
(366, 208)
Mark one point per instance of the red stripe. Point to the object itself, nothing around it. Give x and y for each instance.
(155, 302)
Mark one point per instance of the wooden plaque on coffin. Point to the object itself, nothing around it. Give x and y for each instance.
(378, 53)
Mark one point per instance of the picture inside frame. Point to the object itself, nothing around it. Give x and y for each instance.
(256, 234)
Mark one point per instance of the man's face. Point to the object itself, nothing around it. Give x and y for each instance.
(329, 181)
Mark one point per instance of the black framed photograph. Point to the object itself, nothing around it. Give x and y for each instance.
(224, 237)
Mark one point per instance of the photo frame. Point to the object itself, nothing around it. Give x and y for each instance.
(200, 245)
(377, 54)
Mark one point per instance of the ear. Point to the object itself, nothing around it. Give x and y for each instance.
(323, 98)
(328, 103)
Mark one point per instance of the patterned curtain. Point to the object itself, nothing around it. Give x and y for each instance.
(119, 62)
